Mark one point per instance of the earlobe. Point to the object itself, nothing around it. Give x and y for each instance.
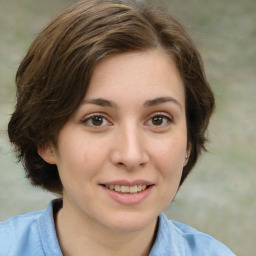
(186, 159)
(47, 152)
(187, 156)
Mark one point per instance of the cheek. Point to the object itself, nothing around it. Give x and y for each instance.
(80, 158)
(169, 155)
(169, 160)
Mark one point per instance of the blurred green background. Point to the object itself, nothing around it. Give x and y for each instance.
(219, 196)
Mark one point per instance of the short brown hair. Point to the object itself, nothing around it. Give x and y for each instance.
(54, 75)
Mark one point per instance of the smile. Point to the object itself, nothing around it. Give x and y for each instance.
(127, 189)
(128, 192)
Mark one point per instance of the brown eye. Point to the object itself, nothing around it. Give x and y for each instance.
(97, 120)
(159, 120)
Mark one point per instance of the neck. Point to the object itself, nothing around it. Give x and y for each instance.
(77, 235)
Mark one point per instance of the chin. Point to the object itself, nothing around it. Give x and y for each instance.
(132, 222)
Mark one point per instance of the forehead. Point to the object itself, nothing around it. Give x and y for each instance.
(145, 74)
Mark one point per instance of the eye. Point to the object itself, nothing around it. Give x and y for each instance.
(96, 121)
(159, 120)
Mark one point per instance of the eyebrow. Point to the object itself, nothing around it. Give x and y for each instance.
(160, 100)
(149, 103)
(101, 102)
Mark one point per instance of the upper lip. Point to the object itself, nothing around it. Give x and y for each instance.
(128, 183)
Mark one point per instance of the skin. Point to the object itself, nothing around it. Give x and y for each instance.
(133, 136)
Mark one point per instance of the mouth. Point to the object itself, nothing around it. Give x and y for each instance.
(128, 192)
(126, 189)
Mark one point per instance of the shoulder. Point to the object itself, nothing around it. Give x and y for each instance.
(181, 239)
(20, 221)
(18, 231)
(199, 241)
(30, 234)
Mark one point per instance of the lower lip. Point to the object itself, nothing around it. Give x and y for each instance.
(128, 198)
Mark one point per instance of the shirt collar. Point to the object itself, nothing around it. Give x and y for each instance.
(165, 243)
(168, 240)
(47, 232)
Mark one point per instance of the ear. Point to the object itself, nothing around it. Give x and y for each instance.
(48, 153)
(188, 151)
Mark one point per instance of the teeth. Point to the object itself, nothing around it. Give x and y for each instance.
(117, 188)
(127, 189)
(133, 189)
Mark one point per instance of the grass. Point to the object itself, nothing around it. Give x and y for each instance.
(219, 195)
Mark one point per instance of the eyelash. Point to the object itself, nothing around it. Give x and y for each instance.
(89, 119)
(167, 119)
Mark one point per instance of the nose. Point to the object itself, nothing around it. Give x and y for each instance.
(129, 150)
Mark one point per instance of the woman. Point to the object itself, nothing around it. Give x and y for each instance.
(112, 110)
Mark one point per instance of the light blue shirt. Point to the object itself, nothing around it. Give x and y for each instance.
(34, 234)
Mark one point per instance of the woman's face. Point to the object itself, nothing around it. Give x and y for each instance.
(121, 154)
